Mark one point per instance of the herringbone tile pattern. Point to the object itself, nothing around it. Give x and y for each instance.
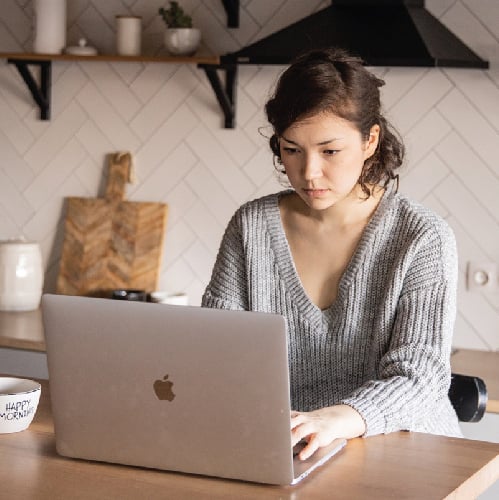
(167, 116)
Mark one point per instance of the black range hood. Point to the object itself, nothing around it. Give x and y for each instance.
(382, 32)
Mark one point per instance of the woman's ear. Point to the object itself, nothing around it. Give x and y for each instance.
(372, 141)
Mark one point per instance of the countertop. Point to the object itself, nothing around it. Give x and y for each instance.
(22, 330)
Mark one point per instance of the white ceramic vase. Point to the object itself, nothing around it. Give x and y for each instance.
(182, 41)
(50, 26)
(21, 275)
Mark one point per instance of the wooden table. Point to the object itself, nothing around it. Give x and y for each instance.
(483, 364)
(400, 465)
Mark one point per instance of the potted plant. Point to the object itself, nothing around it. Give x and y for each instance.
(180, 37)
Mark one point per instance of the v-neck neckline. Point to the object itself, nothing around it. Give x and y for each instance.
(289, 273)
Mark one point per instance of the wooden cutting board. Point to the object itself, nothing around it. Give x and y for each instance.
(109, 242)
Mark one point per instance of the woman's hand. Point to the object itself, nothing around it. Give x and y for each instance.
(320, 427)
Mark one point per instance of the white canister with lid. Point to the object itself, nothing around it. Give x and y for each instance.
(21, 275)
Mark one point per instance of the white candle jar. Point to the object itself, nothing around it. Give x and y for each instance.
(128, 35)
(21, 275)
(50, 26)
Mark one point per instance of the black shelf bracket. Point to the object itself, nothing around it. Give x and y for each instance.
(232, 9)
(225, 93)
(39, 91)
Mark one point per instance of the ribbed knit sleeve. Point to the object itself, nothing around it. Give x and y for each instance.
(414, 372)
(227, 288)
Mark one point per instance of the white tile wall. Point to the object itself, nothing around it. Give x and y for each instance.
(167, 116)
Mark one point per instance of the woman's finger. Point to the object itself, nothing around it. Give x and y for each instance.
(311, 447)
(297, 419)
(302, 431)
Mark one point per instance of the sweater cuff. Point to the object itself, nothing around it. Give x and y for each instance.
(373, 418)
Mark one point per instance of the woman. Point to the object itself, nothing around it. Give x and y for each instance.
(365, 277)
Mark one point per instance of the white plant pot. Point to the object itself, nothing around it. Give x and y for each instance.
(182, 41)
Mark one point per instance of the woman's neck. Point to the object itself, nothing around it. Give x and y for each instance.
(351, 210)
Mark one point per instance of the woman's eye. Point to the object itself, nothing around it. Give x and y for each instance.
(330, 152)
(290, 150)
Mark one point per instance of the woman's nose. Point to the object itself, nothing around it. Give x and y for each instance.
(312, 168)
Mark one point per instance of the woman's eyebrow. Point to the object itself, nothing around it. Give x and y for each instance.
(290, 141)
(322, 143)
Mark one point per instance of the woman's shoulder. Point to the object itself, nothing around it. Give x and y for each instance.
(419, 230)
(255, 212)
(261, 204)
(425, 237)
(419, 218)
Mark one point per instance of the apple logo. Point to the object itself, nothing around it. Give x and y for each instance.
(163, 389)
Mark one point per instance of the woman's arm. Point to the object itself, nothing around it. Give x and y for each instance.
(414, 373)
(227, 288)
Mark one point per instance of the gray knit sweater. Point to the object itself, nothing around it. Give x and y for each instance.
(383, 346)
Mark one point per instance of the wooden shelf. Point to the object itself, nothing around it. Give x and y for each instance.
(40, 88)
(196, 59)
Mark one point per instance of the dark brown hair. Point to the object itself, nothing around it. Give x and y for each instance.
(331, 80)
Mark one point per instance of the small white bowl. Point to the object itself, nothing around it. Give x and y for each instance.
(179, 299)
(19, 399)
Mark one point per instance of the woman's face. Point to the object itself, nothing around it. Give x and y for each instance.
(323, 156)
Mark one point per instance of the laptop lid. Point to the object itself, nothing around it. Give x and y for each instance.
(179, 388)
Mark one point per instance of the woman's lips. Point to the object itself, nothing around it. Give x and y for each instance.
(316, 193)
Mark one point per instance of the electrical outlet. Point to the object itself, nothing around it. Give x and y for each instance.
(482, 276)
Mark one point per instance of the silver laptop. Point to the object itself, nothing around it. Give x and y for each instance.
(178, 388)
